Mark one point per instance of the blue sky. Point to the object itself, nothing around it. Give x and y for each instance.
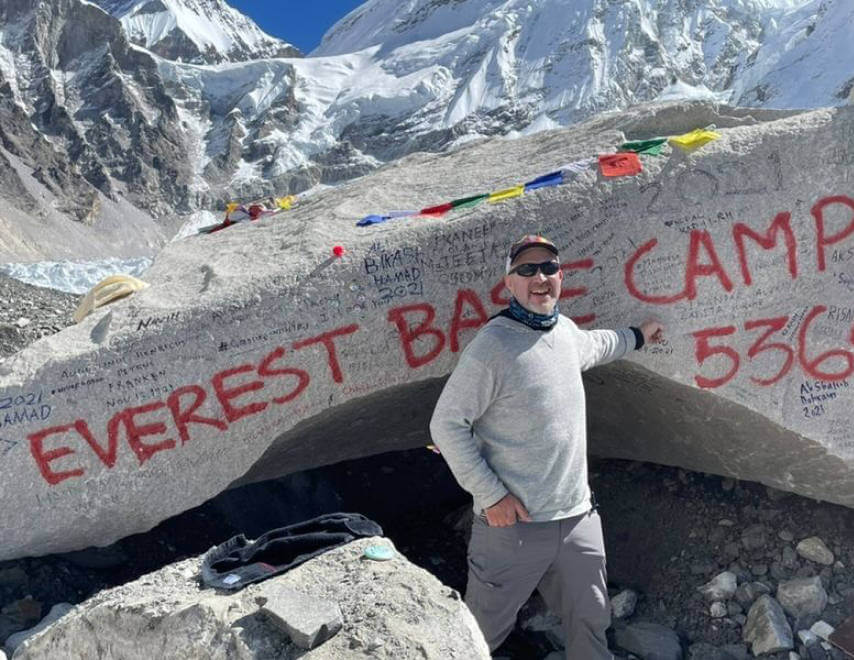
(298, 22)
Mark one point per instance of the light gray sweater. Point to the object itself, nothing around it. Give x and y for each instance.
(512, 414)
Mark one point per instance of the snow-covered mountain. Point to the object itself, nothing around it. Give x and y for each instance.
(91, 123)
(200, 31)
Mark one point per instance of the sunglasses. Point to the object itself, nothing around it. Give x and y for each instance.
(529, 270)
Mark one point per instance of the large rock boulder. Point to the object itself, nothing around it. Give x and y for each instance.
(390, 609)
(256, 352)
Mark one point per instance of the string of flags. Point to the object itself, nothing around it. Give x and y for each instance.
(625, 162)
(236, 213)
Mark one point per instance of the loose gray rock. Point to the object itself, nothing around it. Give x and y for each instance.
(308, 621)
(802, 597)
(807, 637)
(56, 612)
(649, 641)
(767, 630)
(718, 610)
(720, 588)
(755, 537)
(789, 557)
(815, 550)
(822, 630)
(623, 604)
(393, 605)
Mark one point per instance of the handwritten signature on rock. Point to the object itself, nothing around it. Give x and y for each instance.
(846, 280)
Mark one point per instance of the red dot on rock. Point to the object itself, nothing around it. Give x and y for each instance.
(338, 251)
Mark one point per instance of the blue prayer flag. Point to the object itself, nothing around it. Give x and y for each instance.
(551, 179)
(372, 220)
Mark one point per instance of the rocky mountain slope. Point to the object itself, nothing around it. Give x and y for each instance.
(106, 147)
(199, 31)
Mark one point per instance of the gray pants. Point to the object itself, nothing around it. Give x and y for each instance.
(564, 558)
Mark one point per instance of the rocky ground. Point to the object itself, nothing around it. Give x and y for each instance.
(30, 312)
(668, 532)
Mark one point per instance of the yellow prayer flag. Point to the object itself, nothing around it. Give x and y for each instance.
(286, 202)
(694, 139)
(507, 193)
(230, 207)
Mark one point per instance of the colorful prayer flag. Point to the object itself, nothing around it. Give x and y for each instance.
(647, 147)
(286, 202)
(507, 193)
(550, 179)
(578, 166)
(372, 220)
(437, 211)
(468, 202)
(401, 214)
(624, 163)
(694, 139)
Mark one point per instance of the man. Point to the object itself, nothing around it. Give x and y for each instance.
(511, 424)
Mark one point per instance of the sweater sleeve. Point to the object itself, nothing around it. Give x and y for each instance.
(597, 347)
(468, 393)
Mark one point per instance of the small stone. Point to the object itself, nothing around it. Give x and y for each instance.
(807, 637)
(733, 608)
(718, 610)
(778, 572)
(22, 322)
(732, 550)
(722, 587)
(786, 535)
(814, 549)
(755, 537)
(649, 640)
(822, 630)
(727, 484)
(767, 630)
(802, 597)
(759, 569)
(308, 621)
(725, 522)
(624, 603)
(789, 557)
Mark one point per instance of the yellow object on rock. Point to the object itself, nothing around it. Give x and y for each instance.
(694, 139)
(106, 291)
(507, 193)
(286, 202)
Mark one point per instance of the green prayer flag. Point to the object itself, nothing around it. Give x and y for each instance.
(466, 202)
(648, 147)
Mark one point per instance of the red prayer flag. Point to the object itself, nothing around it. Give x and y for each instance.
(441, 209)
(623, 163)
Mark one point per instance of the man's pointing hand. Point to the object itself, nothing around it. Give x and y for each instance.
(506, 512)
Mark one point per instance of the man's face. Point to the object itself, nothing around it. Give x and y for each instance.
(539, 293)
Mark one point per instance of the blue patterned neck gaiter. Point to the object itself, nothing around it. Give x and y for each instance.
(531, 319)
